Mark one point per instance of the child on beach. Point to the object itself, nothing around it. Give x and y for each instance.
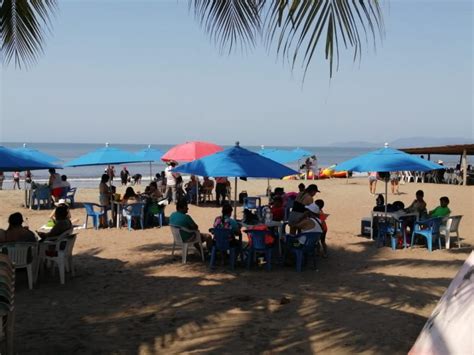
(442, 210)
(16, 180)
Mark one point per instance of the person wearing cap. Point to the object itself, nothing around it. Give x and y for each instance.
(302, 200)
(310, 223)
(16, 232)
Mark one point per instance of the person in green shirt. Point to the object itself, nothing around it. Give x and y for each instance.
(180, 218)
(442, 210)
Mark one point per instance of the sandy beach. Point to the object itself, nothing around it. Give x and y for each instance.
(130, 296)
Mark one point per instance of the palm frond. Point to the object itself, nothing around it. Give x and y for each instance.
(299, 26)
(230, 23)
(22, 24)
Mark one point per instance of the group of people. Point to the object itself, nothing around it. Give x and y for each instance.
(152, 198)
(418, 206)
(394, 178)
(175, 189)
(306, 216)
(16, 177)
(310, 167)
(59, 222)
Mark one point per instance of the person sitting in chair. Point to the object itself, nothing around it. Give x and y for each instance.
(442, 210)
(309, 223)
(16, 232)
(206, 188)
(418, 205)
(225, 220)
(181, 218)
(62, 223)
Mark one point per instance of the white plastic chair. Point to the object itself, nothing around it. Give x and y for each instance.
(419, 176)
(62, 255)
(451, 226)
(19, 253)
(177, 240)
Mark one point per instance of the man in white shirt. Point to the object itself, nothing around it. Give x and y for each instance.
(171, 182)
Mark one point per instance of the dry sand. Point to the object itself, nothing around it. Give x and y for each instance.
(130, 296)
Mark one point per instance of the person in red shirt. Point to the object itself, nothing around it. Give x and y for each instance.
(277, 209)
(322, 218)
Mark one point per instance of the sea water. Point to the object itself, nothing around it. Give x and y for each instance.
(89, 176)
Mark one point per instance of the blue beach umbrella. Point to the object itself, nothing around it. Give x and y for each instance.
(11, 160)
(387, 160)
(150, 155)
(36, 154)
(303, 152)
(236, 162)
(281, 156)
(105, 156)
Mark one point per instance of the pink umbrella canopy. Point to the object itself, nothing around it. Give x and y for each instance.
(190, 151)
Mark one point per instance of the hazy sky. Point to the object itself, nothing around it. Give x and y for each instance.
(145, 72)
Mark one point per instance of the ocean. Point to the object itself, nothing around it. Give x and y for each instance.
(89, 176)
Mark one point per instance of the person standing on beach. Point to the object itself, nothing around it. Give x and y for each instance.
(2, 177)
(111, 172)
(16, 180)
(395, 182)
(372, 182)
(28, 177)
(124, 174)
(105, 196)
(171, 182)
(221, 189)
(55, 184)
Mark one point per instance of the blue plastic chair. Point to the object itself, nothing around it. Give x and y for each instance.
(386, 227)
(161, 216)
(308, 248)
(70, 196)
(428, 229)
(90, 212)
(258, 246)
(134, 210)
(222, 238)
(43, 196)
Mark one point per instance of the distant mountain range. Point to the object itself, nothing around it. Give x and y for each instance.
(407, 142)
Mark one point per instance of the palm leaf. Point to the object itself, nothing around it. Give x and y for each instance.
(306, 23)
(229, 23)
(22, 24)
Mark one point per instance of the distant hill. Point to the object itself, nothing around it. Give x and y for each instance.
(429, 141)
(356, 144)
(406, 142)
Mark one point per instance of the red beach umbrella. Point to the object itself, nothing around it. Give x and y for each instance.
(190, 151)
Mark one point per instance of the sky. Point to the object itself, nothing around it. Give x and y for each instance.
(146, 72)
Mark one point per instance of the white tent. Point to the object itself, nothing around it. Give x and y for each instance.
(450, 329)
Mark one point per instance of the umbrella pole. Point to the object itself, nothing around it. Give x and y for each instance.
(197, 191)
(386, 197)
(235, 198)
(151, 174)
